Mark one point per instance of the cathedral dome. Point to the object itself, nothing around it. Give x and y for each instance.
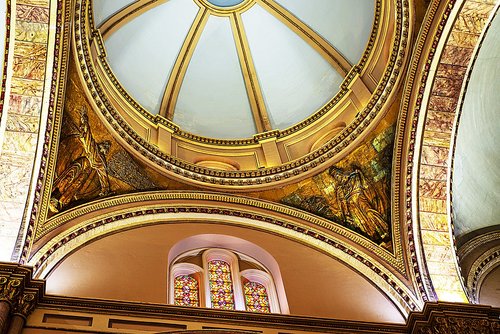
(233, 68)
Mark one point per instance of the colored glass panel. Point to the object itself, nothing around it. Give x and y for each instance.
(186, 292)
(256, 298)
(221, 286)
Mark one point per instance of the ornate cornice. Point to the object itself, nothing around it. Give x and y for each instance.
(208, 316)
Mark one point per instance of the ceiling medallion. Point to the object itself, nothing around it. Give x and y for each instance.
(225, 7)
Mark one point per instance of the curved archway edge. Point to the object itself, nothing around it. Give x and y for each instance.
(94, 224)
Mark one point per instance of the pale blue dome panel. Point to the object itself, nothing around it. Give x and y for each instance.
(295, 79)
(345, 24)
(213, 101)
(142, 53)
(103, 9)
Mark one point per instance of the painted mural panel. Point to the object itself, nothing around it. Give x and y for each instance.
(90, 163)
(354, 193)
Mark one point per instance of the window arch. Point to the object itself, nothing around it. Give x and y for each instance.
(184, 289)
(259, 287)
(216, 281)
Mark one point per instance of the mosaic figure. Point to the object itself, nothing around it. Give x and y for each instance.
(360, 204)
(78, 179)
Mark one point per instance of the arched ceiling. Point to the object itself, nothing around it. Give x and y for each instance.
(490, 289)
(132, 266)
(231, 69)
(476, 176)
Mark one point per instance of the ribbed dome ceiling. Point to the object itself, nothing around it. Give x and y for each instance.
(233, 68)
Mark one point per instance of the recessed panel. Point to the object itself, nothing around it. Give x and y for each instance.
(295, 79)
(142, 52)
(344, 24)
(213, 101)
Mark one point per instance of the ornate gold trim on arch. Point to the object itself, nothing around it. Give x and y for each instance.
(476, 242)
(156, 146)
(424, 143)
(88, 223)
(481, 267)
(220, 202)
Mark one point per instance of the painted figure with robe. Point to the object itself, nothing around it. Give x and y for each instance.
(359, 203)
(85, 173)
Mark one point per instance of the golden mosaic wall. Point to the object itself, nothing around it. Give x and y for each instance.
(91, 164)
(21, 112)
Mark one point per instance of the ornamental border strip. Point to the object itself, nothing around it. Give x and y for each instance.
(408, 92)
(49, 150)
(426, 80)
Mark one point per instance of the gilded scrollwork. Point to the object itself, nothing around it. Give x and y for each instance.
(25, 304)
(459, 325)
(9, 288)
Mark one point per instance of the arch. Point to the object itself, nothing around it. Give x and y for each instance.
(224, 247)
(240, 246)
(226, 259)
(481, 267)
(184, 269)
(264, 279)
(425, 148)
(85, 225)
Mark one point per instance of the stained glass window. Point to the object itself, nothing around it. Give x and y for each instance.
(221, 285)
(186, 291)
(256, 298)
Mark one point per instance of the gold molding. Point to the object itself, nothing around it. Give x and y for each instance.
(254, 91)
(174, 83)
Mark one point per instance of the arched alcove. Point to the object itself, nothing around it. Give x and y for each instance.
(132, 266)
